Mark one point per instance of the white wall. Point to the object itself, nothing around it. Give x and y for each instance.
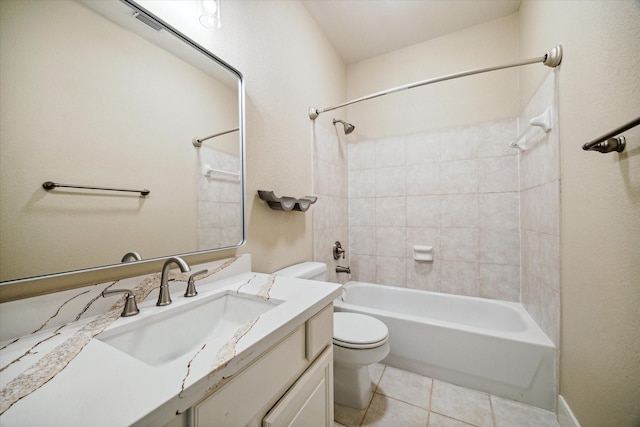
(599, 90)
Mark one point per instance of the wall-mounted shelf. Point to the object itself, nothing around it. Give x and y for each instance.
(301, 204)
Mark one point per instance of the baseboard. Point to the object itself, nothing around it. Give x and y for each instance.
(565, 416)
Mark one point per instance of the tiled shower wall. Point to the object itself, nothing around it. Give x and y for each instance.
(540, 216)
(492, 216)
(219, 200)
(453, 189)
(330, 213)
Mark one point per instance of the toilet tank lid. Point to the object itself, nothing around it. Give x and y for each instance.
(304, 270)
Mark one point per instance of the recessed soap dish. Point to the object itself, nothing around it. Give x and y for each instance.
(301, 204)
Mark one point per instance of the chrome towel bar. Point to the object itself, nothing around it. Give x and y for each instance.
(49, 185)
(609, 142)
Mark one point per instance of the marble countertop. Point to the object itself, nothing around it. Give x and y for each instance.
(60, 374)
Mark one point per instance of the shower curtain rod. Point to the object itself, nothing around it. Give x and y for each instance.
(552, 59)
(197, 142)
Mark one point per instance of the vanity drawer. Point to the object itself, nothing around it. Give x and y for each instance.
(258, 387)
(319, 332)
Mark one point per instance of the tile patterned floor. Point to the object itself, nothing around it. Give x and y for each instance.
(406, 399)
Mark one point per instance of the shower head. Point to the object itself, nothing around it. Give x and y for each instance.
(348, 127)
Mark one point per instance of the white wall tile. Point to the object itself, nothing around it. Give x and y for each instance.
(459, 244)
(362, 211)
(390, 152)
(391, 241)
(460, 210)
(423, 211)
(459, 144)
(391, 212)
(362, 183)
(499, 210)
(363, 240)
(391, 181)
(423, 148)
(363, 268)
(391, 271)
(361, 155)
(498, 174)
(501, 282)
(499, 246)
(423, 179)
(460, 176)
(423, 275)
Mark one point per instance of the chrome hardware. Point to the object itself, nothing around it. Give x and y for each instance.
(612, 144)
(552, 58)
(197, 142)
(341, 269)
(164, 297)
(607, 143)
(50, 185)
(131, 256)
(130, 306)
(337, 250)
(191, 284)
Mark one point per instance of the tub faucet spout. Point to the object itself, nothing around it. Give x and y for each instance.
(164, 298)
(341, 269)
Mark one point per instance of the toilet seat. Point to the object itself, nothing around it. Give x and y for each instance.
(358, 331)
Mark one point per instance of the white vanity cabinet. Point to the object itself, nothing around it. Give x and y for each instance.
(291, 384)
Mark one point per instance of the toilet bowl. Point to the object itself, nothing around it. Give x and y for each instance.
(358, 341)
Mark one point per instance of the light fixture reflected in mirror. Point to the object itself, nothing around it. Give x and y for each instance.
(210, 18)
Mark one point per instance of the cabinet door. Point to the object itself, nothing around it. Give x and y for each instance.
(309, 403)
(255, 389)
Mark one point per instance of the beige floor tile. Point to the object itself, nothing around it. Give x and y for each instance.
(461, 403)
(509, 413)
(347, 416)
(375, 371)
(387, 412)
(437, 420)
(406, 386)
(337, 424)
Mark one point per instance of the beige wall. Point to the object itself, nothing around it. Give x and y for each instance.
(460, 102)
(599, 89)
(99, 119)
(288, 65)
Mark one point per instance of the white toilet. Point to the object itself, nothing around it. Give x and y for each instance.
(358, 341)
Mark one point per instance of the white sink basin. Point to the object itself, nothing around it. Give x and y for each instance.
(174, 332)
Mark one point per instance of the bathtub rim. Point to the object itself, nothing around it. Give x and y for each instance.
(532, 334)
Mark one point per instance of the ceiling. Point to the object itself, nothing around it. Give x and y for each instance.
(361, 29)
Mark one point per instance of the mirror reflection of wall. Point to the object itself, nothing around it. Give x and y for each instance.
(85, 101)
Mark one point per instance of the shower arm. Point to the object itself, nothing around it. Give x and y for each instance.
(552, 59)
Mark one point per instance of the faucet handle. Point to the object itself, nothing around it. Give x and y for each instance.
(191, 284)
(130, 306)
(337, 250)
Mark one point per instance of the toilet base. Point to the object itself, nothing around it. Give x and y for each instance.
(352, 386)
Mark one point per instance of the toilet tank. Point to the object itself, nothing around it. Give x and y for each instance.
(305, 270)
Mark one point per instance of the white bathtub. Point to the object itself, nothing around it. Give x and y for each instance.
(486, 345)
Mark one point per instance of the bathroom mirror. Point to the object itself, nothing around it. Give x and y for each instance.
(104, 94)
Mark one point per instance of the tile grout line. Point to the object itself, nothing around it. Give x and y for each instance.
(373, 395)
(493, 415)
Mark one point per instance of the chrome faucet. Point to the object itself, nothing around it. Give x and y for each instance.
(164, 298)
(341, 269)
(130, 307)
(131, 257)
